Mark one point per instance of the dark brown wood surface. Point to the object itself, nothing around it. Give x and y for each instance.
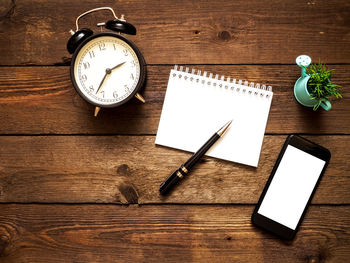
(41, 100)
(108, 233)
(74, 188)
(185, 32)
(129, 169)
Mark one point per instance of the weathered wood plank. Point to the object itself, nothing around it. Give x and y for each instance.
(92, 233)
(129, 169)
(37, 100)
(187, 32)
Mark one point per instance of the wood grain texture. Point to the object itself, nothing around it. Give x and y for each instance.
(129, 169)
(42, 100)
(62, 171)
(184, 32)
(91, 233)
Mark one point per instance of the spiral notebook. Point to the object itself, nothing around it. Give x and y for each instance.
(196, 105)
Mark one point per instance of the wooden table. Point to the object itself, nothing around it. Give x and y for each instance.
(74, 188)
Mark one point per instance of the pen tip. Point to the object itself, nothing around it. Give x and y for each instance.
(224, 128)
(227, 124)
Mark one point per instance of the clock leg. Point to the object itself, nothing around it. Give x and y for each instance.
(140, 98)
(97, 109)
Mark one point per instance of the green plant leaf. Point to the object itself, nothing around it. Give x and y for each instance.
(320, 85)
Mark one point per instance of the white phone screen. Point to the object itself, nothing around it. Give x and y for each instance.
(291, 187)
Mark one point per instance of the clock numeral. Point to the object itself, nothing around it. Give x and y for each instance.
(132, 76)
(114, 47)
(126, 88)
(133, 64)
(86, 65)
(92, 54)
(102, 46)
(91, 88)
(115, 94)
(103, 93)
(125, 51)
(84, 77)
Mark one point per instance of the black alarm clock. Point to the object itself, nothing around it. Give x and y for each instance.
(107, 69)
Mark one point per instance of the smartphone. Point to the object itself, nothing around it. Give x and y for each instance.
(290, 187)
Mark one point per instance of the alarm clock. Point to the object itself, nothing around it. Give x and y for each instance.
(107, 69)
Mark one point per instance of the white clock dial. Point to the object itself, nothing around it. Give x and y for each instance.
(106, 70)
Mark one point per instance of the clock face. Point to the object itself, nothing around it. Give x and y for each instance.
(106, 70)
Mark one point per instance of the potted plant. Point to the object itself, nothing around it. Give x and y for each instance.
(314, 88)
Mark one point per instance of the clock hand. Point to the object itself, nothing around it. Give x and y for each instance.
(104, 77)
(117, 66)
(108, 71)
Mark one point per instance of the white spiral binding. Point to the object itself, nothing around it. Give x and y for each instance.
(254, 88)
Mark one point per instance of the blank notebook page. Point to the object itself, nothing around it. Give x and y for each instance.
(197, 105)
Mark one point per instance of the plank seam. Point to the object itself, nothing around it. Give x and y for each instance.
(148, 134)
(170, 65)
(154, 204)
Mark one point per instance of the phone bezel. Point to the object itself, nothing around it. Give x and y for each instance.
(308, 147)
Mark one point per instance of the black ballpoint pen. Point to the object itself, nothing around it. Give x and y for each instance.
(184, 169)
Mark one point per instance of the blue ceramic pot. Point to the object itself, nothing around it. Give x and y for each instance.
(301, 93)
